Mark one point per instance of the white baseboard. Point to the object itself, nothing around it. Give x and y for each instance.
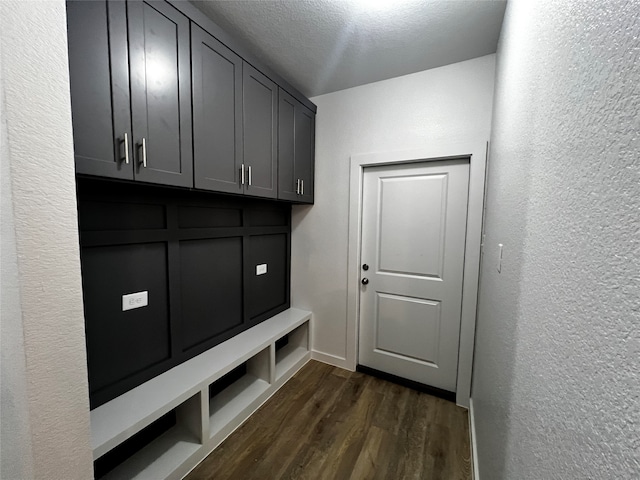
(474, 445)
(330, 359)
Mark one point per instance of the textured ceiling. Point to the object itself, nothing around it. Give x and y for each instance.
(322, 46)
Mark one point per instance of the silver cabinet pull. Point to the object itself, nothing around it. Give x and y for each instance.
(297, 186)
(144, 152)
(126, 148)
(249, 175)
(301, 187)
(242, 174)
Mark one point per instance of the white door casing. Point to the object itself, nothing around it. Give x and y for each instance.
(413, 242)
(476, 151)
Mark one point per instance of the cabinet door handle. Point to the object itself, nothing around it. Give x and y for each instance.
(126, 148)
(249, 175)
(297, 186)
(242, 174)
(144, 152)
(302, 187)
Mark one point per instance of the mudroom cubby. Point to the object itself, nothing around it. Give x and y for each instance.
(251, 381)
(194, 406)
(295, 348)
(162, 455)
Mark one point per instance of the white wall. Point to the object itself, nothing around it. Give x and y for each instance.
(556, 388)
(44, 394)
(447, 103)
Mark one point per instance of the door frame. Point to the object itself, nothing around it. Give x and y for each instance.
(476, 152)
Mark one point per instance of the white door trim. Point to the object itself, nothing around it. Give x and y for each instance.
(476, 151)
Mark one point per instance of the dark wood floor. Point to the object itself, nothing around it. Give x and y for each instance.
(328, 423)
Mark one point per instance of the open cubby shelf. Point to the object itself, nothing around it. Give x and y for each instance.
(294, 351)
(210, 396)
(160, 458)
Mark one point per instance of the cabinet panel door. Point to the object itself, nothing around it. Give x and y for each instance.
(160, 93)
(99, 77)
(287, 180)
(305, 133)
(217, 114)
(260, 136)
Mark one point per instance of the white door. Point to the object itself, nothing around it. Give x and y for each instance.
(413, 239)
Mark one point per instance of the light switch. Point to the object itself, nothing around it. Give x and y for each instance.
(135, 300)
(499, 264)
(261, 269)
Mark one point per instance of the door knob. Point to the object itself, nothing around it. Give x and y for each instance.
(365, 281)
(365, 267)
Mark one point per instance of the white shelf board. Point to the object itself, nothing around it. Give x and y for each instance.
(117, 420)
(158, 459)
(233, 400)
(287, 357)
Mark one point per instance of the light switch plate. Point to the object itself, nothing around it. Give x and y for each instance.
(135, 300)
(261, 269)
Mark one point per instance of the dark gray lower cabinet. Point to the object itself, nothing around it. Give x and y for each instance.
(212, 266)
(217, 114)
(260, 101)
(296, 146)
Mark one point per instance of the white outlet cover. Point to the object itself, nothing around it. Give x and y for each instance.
(135, 300)
(261, 269)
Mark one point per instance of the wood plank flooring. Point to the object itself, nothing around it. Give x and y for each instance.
(329, 423)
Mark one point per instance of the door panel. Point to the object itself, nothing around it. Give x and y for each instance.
(407, 327)
(398, 228)
(160, 93)
(217, 114)
(99, 78)
(260, 135)
(413, 238)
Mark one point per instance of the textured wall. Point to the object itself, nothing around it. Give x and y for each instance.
(556, 388)
(44, 402)
(407, 112)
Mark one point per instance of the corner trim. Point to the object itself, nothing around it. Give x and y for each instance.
(474, 445)
(331, 360)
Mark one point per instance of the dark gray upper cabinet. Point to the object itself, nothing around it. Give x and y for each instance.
(260, 100)
(160, 93)
(296, 145)
(99, 77)
(130, 77)
(217, 114)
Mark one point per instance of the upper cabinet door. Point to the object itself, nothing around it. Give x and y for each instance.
(296, 145)
(160, 93)
(99, 77)
(287, 181)
(217, 114)
(305, 141)
(260, 97)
